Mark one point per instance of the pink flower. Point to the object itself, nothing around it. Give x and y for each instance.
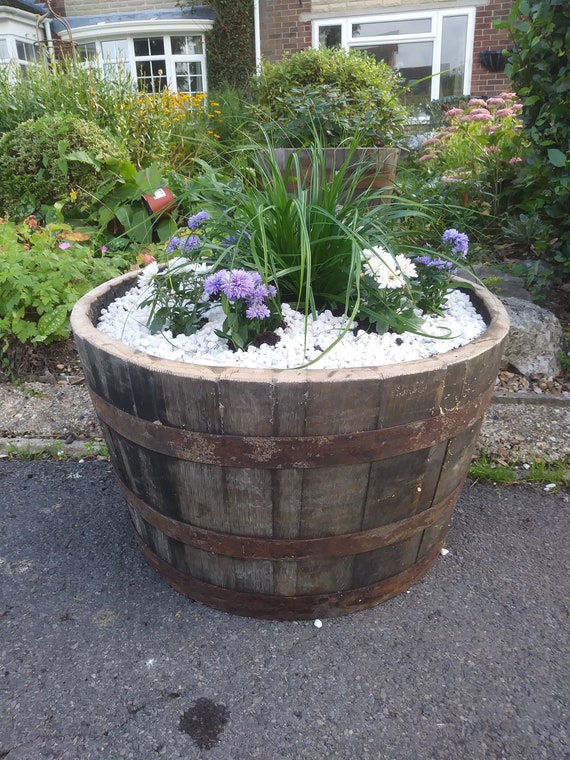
(427, 157)
(505, 112)
(508, 95)
(495, 102)
(104, 249)
(476, 117)
(63, 246)
(476, 102)
(477, 111)
(148, 258)
(515, 160)
(454, 112)
(517, 106)
(430, 141)
(491, 149)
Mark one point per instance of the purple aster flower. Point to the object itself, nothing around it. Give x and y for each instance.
(184, 244)
(428, 261)
(198, 219)
(216, 282)
(458, 240)
(189, 242)
(173, 244)
(240, 285)
(257, 310)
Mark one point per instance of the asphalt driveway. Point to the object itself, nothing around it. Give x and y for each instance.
(102, 661)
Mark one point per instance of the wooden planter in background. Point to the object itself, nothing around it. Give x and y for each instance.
(376, 167)
(289, 494)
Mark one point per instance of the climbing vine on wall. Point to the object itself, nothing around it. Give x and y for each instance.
(230, 46)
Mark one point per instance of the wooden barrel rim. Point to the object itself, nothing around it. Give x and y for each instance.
(86, 313)
(291, 452)
(298, 607)
(283, 549)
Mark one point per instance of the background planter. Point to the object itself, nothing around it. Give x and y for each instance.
(376, 166)
(289, 494)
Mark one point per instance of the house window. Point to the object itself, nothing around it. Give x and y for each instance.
(433, 50)
(155, 63)
(21, 51)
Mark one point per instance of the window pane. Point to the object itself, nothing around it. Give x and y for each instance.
(87, 51)
(151, 75)
(156, 45)
(114, 49)
(330, 36)
(141, 47)
(414, 60)
(4, 50)
(187, 45)
(189, 77)
(392, 28)
(26, 51)
(453, 45)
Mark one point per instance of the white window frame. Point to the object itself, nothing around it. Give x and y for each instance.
(18, 26)
(129, 32)
(435, 36)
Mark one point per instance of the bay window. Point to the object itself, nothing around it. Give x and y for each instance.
(157, 62)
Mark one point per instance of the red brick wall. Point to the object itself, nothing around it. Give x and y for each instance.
(485, 82)
(281, 31)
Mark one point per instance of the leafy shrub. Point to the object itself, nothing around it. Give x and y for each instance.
(35, 169)
(538, 66)
(333, 92)
(43, 271)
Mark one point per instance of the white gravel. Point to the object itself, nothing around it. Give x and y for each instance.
(125, 320)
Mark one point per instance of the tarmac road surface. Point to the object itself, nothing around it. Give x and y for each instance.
(101, 660)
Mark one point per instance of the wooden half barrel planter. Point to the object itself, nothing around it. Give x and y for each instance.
(289, 494)
(375, 168)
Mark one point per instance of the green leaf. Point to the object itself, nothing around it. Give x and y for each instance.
(149, 180)
(52, 323)
(83, 157)
(556, 157)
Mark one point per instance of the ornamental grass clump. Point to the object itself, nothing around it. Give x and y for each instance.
(263, 243)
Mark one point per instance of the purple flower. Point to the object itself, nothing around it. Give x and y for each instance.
(440, 264)
(184, 244)
(240, 284)
(216, 282)
(458, 240)
(257, 310)
(198, 219)
(173, 244)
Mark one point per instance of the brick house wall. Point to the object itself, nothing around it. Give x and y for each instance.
(281, 30)
(485, 82)
(284, 28)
